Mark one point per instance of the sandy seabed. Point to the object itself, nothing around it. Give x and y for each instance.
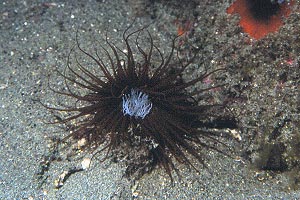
(36, 37)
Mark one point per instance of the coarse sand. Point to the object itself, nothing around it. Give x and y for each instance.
(36, 37)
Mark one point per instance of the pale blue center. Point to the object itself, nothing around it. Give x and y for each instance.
(136, 104)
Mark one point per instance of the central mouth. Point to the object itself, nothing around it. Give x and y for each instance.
(136, 104)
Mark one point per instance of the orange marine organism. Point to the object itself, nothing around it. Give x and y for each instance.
(261, 17)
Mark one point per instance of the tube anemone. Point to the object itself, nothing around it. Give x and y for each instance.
(141, 110)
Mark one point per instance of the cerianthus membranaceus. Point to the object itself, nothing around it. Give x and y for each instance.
(143, 110)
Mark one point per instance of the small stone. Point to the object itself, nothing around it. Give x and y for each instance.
(86, 163)
(81, 143)
(236, 135)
